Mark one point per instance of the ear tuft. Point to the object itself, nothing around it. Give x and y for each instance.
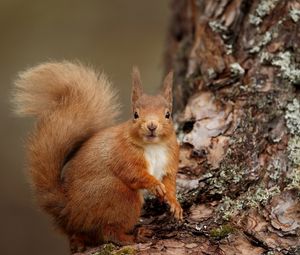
(167, 88)
(137, 89)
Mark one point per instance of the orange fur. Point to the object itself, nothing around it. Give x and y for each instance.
(86, 171)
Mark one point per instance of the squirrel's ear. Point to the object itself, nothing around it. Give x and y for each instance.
(137, 89)
(167, 88)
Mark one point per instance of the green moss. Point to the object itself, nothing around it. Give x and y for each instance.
(221, 232)
(126, 251)
(107, 249)
(110, 249)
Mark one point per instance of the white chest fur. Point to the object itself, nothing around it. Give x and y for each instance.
(156, 156)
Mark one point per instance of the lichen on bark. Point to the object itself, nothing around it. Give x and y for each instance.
(259, 160)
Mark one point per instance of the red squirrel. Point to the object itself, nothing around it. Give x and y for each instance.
(86, 171)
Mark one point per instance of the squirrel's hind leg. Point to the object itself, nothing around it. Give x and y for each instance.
(78, 243)
(116, 234)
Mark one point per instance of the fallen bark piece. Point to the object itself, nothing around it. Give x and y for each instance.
(200, 212)
(239, 245)
(191, 245)
(285, 213)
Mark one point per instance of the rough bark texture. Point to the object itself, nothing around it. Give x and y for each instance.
(237, 100)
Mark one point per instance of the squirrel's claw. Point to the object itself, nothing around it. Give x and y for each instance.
(176, 211)
(159, 190)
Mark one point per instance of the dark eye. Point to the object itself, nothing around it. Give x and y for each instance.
(168, 114)
(136, 115)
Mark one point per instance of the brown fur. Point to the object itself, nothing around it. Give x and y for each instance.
(87, 172)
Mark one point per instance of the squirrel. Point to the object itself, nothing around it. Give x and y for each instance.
(86, 171)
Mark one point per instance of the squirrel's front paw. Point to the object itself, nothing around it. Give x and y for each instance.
(158, 190)
(176, 210)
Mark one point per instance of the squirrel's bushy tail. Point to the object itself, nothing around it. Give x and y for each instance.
(71, 103)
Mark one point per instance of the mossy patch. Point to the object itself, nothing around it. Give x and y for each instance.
(222, 231)
(110, 249)
(107, 249)
(126, 251)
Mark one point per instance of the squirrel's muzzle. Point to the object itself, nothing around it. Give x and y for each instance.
(152, 127)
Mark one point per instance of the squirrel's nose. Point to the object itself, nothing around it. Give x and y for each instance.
(152, 127)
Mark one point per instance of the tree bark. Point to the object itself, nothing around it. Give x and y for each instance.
(237, 113)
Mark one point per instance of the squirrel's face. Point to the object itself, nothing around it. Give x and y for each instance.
(151, 115)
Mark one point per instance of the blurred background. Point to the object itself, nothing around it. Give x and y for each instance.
(112, 35)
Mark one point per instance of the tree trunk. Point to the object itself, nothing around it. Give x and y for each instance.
(237, 111)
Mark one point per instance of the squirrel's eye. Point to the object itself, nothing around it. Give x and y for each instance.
(168, 114)
(136, 115)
